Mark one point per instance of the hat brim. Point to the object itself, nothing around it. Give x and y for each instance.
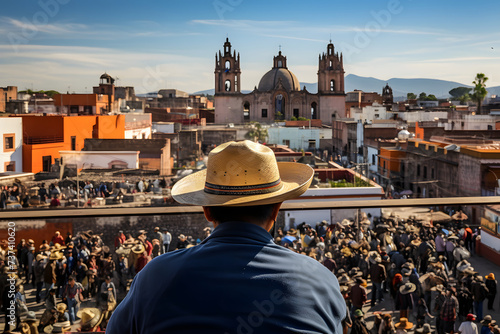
(295, 178)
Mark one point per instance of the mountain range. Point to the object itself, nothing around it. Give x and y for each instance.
(400, 87)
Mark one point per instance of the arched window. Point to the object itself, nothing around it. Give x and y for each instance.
(235, 83)
(228, 65)
(331, 64)
(227, 86)
(280, 63)
(332, 85)
(314, 110)
(279, 107)
(246, 111)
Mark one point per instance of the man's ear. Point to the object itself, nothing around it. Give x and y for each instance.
(208, 215)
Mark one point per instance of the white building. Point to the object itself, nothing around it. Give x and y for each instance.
(295, 138)
(422, 116)
(472, 122)
(101, 159)
(138, 126)
(312, 217)
(11, 150)
(370, 113)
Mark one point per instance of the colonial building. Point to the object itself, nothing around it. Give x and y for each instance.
(278, 95)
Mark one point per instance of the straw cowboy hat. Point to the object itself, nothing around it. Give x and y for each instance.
(243, 174)
(40, 257)
(404, 324)
(61, 307)
(426, 328)
(30, 317)
(58, 327)
(55, 255)
(138, 249)
(90, 317)
(486, 319)
(407, 288)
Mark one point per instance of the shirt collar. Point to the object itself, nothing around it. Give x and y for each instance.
(243, 230)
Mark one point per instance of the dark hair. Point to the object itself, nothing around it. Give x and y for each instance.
(222, 214)
(71, 278)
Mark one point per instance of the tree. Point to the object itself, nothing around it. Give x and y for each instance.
(479, 92)
(459, 92)
(411, 96)
(257, 132)
(422, 96)
(431, 97)
(464, 99)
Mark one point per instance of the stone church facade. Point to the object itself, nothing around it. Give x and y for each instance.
(278, 95)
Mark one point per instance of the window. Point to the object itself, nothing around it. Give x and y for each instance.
(312, 143)
(73, 143)
(286, 142)
(10, 166)
(418, 170)
(236, 83)
(425, 172)
(432, 173)
(314, 113)
(228, 65)
(246, 111)
(373, 159)
(46, 162)
(143, 136)
(331, 64)
(264, 113)
(332, 85)
(296, 113)
(280, 63)
(228, 86)
(9, 142)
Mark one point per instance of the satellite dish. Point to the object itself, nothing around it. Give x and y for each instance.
(451, 147)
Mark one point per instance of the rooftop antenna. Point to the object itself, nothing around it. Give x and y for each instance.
(280, 47)
(330, 38)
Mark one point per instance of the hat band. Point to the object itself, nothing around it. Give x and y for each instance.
(256, 189)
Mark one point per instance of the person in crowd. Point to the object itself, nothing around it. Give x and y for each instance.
(167, 239)
(491, 285)
(468, 326)
(72, 296)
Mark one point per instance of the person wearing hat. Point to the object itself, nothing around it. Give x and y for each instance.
(491, 285)
(359, 325)
(358, 295)
(182, 242)
(403, 326)
(449, 310)
(91, 318)
(159, 236)
(468, 326)
(404, 299)
(485, 328)
(479, 293)
(329, 262)
(238, 279)
(378, 276)
(29, 324)
(38, 270)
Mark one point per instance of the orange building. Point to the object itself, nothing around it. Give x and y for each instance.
(83, 104)
(45, 136)
(390, 161)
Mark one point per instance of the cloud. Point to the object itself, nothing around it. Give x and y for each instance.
(31, 27)
(243, 23)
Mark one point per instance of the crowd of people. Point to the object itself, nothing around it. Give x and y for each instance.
(20, 195)
(421, 266)
(67, 271)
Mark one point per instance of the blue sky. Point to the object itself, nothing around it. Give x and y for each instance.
(67, 44)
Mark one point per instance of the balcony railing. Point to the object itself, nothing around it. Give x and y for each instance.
(297, 204)
(43, 140)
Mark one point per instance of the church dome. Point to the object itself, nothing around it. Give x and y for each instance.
(271, 79)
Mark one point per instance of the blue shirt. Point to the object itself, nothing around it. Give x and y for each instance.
(236, 281)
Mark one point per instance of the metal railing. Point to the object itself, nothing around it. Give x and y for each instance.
(296, 204)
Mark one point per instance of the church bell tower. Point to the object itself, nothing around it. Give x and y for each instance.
(227, 71)
(331, 72)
